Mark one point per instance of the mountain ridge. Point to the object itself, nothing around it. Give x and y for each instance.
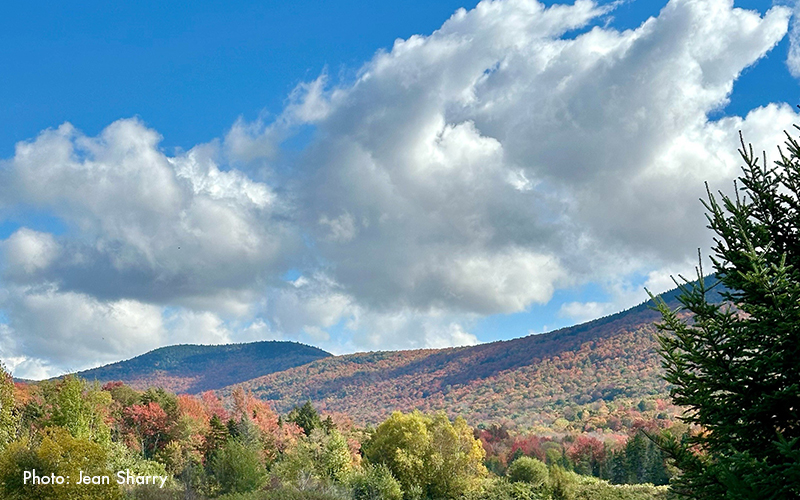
(196, 368)
(528, 379)
(611, 357)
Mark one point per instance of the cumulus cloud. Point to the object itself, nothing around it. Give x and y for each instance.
(27, 251)
(144, 225)
(485, 165)
(517, 150)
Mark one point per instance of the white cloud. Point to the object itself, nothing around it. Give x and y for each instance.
(581, 312)
(144, 225)
(56, 331)
(793, 58)
(497, 135)
(27, 251)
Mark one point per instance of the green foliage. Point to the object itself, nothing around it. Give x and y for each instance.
(79, 408)
(167, 401)
(9, 417)
(61, 454)
(501, 489)
(336, 460)
(563, 484)
(528, 470)
(238, 468)
(216, 437)
(306, 417)
(123, 394)
(375, 482)
(120, 457)
(736, 366)
(429, 456)
(290, 493)
(402, 443)
(641, 461)
(318, 457)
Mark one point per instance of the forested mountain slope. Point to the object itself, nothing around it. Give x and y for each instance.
(197, 368)
(529, 380)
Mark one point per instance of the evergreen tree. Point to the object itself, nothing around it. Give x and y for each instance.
(736, 365)
(306, 417)
(216, 437)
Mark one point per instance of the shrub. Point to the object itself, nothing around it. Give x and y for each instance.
(528, 470)
(563, 483)
(501, 489)
(375, 482)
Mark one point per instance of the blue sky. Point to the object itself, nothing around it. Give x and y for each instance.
(361, 175)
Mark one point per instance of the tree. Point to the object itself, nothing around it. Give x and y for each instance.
(306, 417)
(735, 365)
(9, 418)
(57, 454)
(429, 456)
(325, 458)
(238, 468)
(149, 423)
(80, 409)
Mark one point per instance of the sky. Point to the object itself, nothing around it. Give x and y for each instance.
(363, 175)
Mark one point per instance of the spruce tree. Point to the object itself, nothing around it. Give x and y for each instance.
(735, 365)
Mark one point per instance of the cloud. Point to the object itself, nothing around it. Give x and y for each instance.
(26, 252)
(65, 329)
(793, 58)
(51, 331)
(143, 225)
(481, 167)
(517, 150)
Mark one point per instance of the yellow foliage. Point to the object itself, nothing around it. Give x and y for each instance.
(58, 455)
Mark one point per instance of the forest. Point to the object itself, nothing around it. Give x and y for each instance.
(240, 448)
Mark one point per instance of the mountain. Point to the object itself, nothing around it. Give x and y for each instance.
(529, 380)
(197, 368)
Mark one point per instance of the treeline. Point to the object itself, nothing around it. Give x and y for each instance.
(617, 459)
(242, 449)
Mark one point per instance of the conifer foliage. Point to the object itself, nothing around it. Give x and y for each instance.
(736, 365)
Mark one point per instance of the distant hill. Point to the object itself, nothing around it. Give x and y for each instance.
(529, 380)
(197, 368)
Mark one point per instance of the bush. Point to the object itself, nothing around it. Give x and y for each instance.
(238, 468)
(563, 483)
(288, 493)
(528, 470)
(501, 489)
(375, 482)
(60, 454)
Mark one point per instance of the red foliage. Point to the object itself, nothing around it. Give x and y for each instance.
(149, 423)
(191, 407)
(530, 446)
(586, 449)
(108, 386)
(213, 405)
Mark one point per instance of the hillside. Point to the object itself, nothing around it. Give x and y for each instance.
(529, 380)
(197, 368)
